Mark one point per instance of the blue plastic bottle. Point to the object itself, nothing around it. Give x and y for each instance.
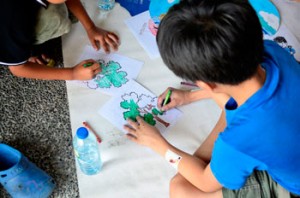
(87, 152)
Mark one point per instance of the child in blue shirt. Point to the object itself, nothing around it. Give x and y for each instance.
(254, 149)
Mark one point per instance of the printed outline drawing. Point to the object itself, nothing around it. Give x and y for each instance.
(132, 103)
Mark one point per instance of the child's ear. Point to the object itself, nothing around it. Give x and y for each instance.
(206, 85)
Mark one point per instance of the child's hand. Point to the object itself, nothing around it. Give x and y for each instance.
(86, 73)
(42, 60)
(106, 39)
(145, 134)
(178, 98)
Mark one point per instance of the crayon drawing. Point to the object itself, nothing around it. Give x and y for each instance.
(116, 71)
(143, 106)
(134, 100)
(110, 75)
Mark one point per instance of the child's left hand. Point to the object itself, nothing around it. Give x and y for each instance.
(105, 39)
(145, 134)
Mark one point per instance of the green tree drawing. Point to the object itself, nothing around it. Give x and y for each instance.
(110, 75)
(133, 109)
(149, 113)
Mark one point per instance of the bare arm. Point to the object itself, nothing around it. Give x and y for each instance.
(78, 10)
(40, 71)
(96, 35)
(194, 169)
(204, 152)
(182, 97)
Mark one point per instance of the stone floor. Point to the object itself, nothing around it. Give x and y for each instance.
(34, 118)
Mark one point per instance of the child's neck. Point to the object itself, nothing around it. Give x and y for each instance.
(246, 89)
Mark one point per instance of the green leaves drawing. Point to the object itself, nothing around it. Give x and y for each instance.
(149, 119)
(110, 76)
(133, 112)
(133, 109)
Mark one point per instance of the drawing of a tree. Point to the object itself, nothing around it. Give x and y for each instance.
(110, 75)
(143, 106)
(133, 109)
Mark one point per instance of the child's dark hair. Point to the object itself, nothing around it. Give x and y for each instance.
(211, 40)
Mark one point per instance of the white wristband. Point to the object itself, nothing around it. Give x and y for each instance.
(173, 158)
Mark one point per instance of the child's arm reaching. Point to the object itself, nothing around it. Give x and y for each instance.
(97, 36)
(181, 97)
(41, 71)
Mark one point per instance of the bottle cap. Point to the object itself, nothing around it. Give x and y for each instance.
(82, 133)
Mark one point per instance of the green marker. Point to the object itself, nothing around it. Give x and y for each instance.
(87, 64)
(167, 98)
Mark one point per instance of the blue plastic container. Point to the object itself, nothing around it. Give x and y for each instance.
(135, 7)
(20, 177)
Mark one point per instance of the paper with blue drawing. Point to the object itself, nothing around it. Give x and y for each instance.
(117, 70)
(268, 15)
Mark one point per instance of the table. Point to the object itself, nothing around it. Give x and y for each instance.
(130, 170)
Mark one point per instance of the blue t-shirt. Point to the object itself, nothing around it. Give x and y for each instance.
(264, 132)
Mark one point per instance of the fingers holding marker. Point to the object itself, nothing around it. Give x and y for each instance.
(88, 63)
(93, 67)
(167, 100)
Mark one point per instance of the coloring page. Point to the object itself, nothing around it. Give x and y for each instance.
(135, 100)
(140, 27)
(286, 40)
(116, 71)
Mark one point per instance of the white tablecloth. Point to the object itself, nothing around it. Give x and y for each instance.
(130, 170)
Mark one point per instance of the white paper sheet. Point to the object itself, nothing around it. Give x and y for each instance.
(130, 170)
(116, 71)
(134, 94)
(139, 27)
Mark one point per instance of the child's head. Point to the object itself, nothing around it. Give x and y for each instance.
(211, 40)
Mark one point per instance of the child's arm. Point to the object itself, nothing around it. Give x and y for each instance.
(38, 71)
(197, 171)
(181, 97)
(204, 152)
(96, 35)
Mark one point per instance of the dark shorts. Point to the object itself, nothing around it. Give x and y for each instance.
(259, 185)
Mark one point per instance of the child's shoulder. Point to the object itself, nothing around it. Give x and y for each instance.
(273, 49)
(271, 44)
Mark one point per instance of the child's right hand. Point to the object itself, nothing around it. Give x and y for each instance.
(178, 98)
(86, 73)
